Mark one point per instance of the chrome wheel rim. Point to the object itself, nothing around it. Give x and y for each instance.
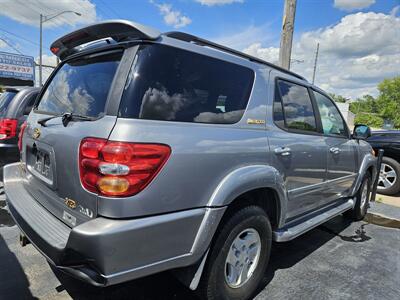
(242, 258)
(387, 177)
(364, 195)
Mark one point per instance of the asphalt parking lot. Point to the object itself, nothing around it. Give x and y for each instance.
(338, 260)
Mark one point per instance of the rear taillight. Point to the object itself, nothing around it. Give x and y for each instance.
(21, 135)
(8, 128)
(119, 169)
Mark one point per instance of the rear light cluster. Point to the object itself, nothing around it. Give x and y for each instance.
(21, 135)
(119, 169)
(8, 128)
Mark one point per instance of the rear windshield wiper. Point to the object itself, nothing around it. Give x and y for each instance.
(66, 118)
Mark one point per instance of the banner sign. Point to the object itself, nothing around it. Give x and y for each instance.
(17, 66)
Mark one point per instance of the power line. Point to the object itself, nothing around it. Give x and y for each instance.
(111, 9)
(18, 36)
(11, 46)
(19, 52)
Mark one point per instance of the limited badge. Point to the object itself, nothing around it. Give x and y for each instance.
(256, 121)
(36, 133)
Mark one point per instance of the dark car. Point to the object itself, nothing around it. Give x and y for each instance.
(15, 105)
(389, 178)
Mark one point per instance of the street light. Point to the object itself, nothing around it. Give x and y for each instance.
(42, 20)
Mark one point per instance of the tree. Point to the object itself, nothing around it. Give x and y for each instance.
(389, 100)
(365, 104)
(338, 98)
(369, 119)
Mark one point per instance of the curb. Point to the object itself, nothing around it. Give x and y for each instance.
(382, 220)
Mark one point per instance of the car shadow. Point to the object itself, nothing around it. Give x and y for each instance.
(13, 282)
(166, 286)
(285, 255)
(157, 287)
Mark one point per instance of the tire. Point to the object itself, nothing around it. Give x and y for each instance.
(389, 164)
(361, 206)
(218, 280)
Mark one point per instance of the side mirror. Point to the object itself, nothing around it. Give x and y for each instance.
(27, 110)
(361, 132)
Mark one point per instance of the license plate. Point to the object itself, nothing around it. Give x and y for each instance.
(42, 164)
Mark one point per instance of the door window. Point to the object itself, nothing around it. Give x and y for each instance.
(332, 121)
(293, 104)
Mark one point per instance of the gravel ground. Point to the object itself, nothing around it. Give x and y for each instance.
(338, 260)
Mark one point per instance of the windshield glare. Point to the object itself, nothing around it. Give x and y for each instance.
(81, 86)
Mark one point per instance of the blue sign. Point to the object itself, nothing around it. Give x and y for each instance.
(17, 66)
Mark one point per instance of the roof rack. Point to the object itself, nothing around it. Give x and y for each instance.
(202, 42)
(118, 30)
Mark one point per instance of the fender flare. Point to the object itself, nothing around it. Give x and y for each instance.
(247, 178)
(236, 183)
(368, 161)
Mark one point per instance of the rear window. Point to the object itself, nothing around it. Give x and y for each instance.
(5, 100)
(81, 86)
(171, 84)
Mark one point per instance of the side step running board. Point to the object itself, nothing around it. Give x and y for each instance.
(289, 233)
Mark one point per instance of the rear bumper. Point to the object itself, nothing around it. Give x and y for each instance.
(108, 251)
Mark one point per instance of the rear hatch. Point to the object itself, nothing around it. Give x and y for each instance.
(81, 87)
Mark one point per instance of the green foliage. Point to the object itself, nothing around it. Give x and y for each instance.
(389, 100)
(338, 98)
(369, 119)
(372, 111)
(366, 104)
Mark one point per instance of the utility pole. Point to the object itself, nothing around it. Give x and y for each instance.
(315, 63)
(40, 51)
(285, 50)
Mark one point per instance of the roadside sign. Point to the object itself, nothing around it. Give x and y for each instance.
(17, 66)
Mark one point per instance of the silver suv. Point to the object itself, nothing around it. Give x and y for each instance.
(148, 152)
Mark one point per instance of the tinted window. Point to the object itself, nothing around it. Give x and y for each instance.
(5, 100)
(332, 121)
(279, 118)
(81, 86)
(28, 103)
(297, 107)
(170, 84)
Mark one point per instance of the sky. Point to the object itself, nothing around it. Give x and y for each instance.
(359, 39)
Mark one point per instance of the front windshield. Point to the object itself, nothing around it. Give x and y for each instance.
(81, 86)
(5, 100)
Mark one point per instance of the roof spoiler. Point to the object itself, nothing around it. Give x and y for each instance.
(118, 30)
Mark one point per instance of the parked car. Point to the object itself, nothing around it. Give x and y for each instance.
(389, 176)
(149, 152)
(15, 105)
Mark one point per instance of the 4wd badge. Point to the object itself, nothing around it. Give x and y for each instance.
(36, 133)
(70, 203)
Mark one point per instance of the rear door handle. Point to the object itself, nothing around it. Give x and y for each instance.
(334, 150)
(283, 151)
